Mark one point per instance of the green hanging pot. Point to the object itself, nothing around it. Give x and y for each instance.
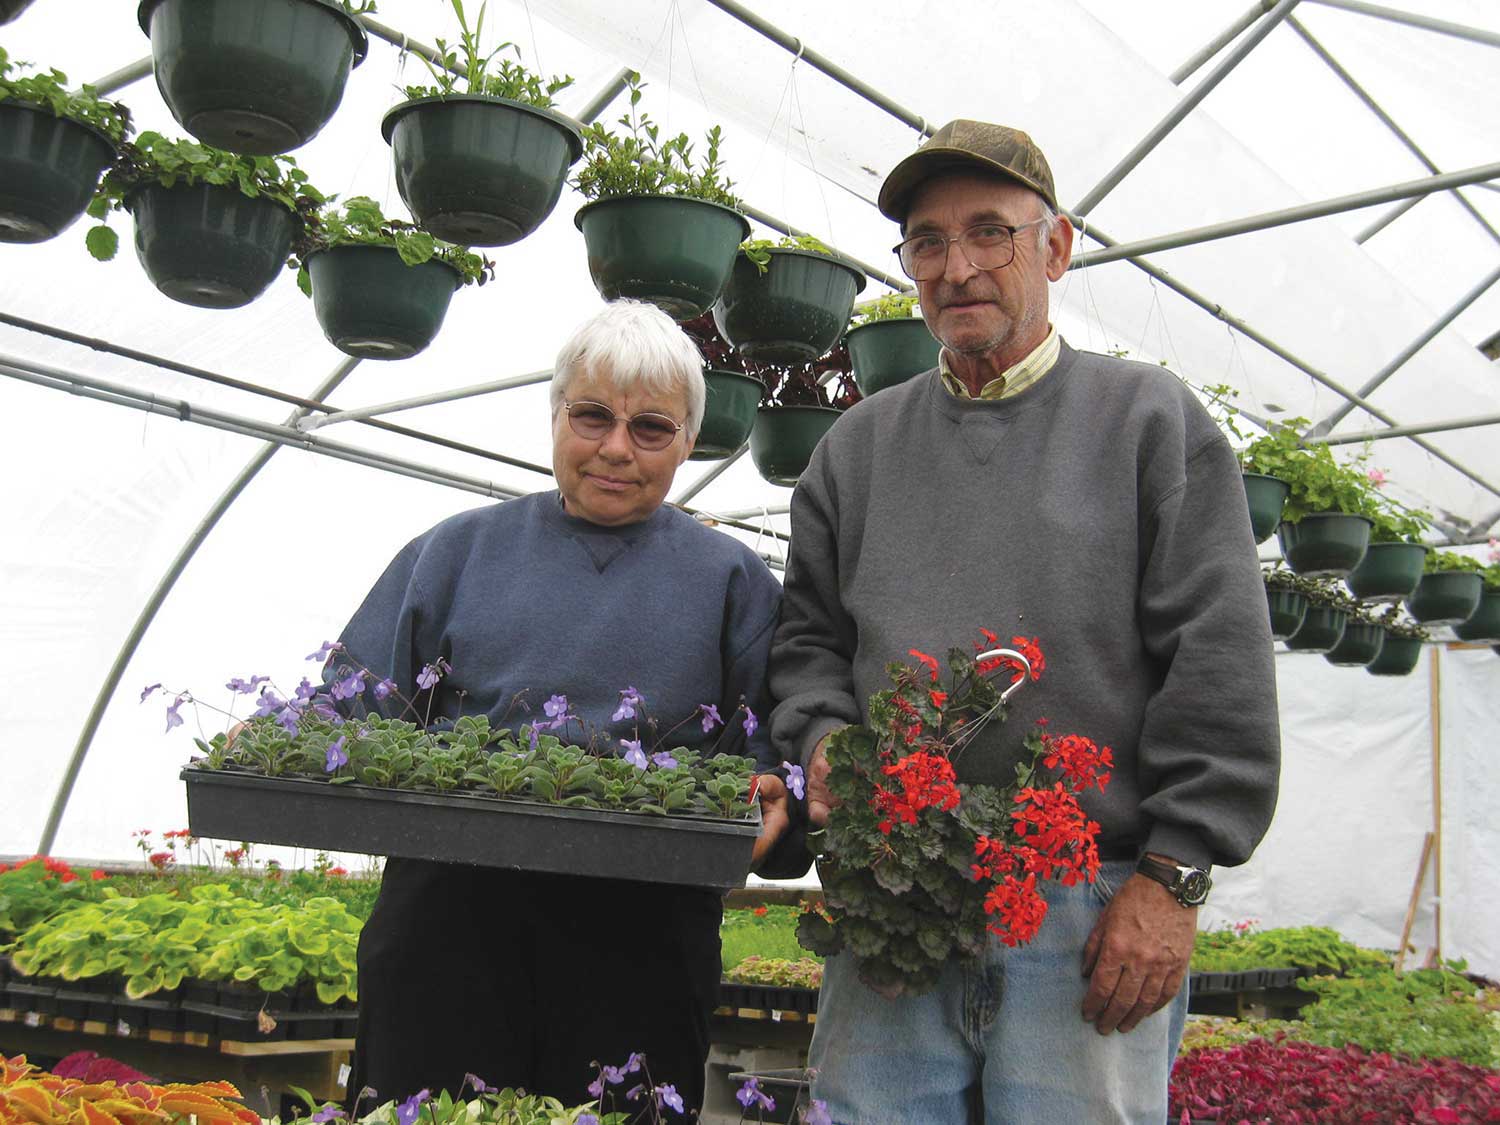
(1324, 543)
(1322, 629)
(1485, 624)
(792, 313)
(1359, 645)
(1388, 572)
(209, 245)
(784, 437)
(1446, 597)
(254, 78)
(373, 305)
(670, 250)
(479, 170)
(1266, 497)
(49, 168)
(728, 415)
(1397, 656)
(1288, 608)
(886, 352)
(10, 9)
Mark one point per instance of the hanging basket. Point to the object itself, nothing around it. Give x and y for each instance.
(1288, 608)
(257, 78)
(208, 245)
(1485, 624)
(1359, 645)
(371, 304)
(1321, 630)
(1327, 544)
(728, 416)
(670, 250)
(10, 9)
(1266, 497)
(1446, 597)
(479, 170)
(1388, 572)
(792, 313)
(1397, 657)
(49, 168)
(887, 352)
(784, 437)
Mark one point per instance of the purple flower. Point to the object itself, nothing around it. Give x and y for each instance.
(384, 688)
(245, 687)
(796, 781)
(479, 1084)
(324, 650)
(817, 1113)
(336, 755)
(350, 686)
(428, 677)
(668, 1095)
(409, 1110)
(267, 704)
(630, 699)
(555, 707)
(305, 691)
(289, 716)
(596, 1087)
(752, 724)
(633, 1063)
(635, 1092)
(173, 718)
(637, 758)
(664, 760)
(325, 710)
(751, 1094)
(328, 1113)
(590, 1119)
(531, 731)
(710, 717)
(146, 692)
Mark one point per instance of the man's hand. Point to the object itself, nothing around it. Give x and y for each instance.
(774, 817)
(1137, 956)
(819, 800)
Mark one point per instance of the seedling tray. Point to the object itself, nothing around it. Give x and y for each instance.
(767, 997)
(466, 828)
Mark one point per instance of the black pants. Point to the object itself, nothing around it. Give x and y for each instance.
(525, 980)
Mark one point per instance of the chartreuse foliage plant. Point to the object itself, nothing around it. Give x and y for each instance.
(778, 972)
(1317, 949)
(480, 73)
(762, 931)
(1451, 560)
(758, 250)
(30, 1096)
(1319, 481)
(37, 888)
(50, 91)
(360, 222)
(892, 306)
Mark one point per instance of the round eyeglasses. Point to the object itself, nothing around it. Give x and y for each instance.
(985, 246)
(593, 421)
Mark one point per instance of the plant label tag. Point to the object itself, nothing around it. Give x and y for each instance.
(33, 1019)
(754, 788)
(344, 1074)
(775, 1015)
(122, 1028)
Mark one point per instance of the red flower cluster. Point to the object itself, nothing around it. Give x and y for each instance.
(1020, 908)
(1059, 838)
(1026, 646)
(927, 781)
(929, 661)
(235, 856)
(1083, 764)
(161, 860)
(52, 868)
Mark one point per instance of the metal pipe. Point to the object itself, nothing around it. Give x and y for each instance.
(709, 477)
(1301, 213)
(1404, 431)
(1219, 42)
(148, 613)
(117, 80)
(600, 101)
(1411, 349)
(307, 423)
(900, 284)
(1386, 220)
(400, 40)
(1411, 19)
(1184, 107)
(771, 510)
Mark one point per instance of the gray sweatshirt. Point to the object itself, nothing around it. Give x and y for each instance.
(1099, 511)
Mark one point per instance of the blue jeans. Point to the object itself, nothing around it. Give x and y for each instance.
(1007, 1029)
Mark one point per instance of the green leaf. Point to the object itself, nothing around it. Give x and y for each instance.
(102, 243)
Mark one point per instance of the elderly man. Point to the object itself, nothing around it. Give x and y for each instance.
(1032, 489)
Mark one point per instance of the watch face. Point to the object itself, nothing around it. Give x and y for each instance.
(1194, 888)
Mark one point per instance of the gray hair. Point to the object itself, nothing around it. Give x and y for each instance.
(635, 346)
(1044, 232)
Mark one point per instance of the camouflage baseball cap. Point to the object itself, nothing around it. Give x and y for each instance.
(967, 144)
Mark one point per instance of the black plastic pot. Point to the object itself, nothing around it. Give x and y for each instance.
(373, 305)
(1398, 656)
(1321, 629)
(728, 416)
(767, 997)
(10, 9)
(160, 1011)
(673, 251)
(1266, 497)
(33, 994)
(792, 313)
(1388, 572)
(1325, 543)
(257, 78)
(888, 352)
(1484, 625)
(480, 170)
(49, 168)
(784, 437)
(209, 245)
(467, 828)
(1288, 608)
(1359, 645)
(1446, 597)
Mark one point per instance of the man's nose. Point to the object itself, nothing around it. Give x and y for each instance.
(956, 266)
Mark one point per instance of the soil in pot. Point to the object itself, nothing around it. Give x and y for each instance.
(49, 168)
(371, 304)
(1266, 497)
(1446, 597)
(1388, 572)
(1324, 544)
(888, 352)
(728, 416)
(791, 314)
(784, 437)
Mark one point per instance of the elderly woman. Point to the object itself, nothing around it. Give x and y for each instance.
(521, 978)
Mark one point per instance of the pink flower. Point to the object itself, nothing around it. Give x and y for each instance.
(1377, 477)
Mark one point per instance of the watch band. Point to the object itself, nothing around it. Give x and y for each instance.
(1190, 885)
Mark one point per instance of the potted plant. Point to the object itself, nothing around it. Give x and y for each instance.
(1328, 608)
(1361, 640)
(381, 287)
(1325, 525)
(732, 395)
(657, 227)
(10, 9)
(1484, 625)
(1286, 597)
(55, 143)
(212, 229)
(257, 79)
(1449, 590)
(1402, 647)
(1265, 494)
(888, 343)
(796, 411)
(786, 302)
(1393, 562)
(481, 166)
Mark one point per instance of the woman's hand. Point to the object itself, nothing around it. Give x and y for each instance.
(775, 817)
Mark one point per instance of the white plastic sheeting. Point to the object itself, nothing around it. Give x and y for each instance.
(100, 499)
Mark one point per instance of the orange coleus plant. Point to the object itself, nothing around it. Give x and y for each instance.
(31, 1096)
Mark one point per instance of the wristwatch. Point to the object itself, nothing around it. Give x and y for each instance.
(1189, 884)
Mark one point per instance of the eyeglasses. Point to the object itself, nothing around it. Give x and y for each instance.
(594, 421)
(987, 246)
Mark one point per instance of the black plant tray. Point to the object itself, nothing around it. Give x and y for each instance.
(465, 828)
(1213, 984)
(767, 997)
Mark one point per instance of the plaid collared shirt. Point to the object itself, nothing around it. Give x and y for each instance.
(1014, 379)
